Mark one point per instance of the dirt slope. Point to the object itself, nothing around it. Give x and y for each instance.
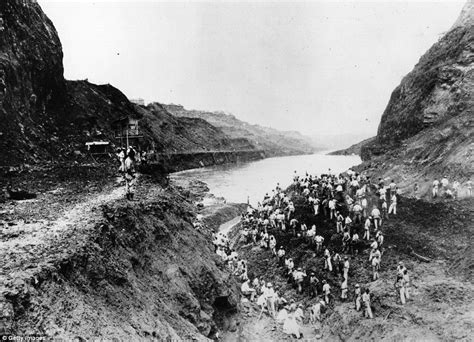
(107, 268)
(442, 290)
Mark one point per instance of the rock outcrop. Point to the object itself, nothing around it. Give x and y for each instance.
(31, 79)
(45, 117)
(426, 129)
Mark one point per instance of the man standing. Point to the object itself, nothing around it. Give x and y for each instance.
(299, 276)
(319, 242)
(344, 289)
(358, 297)
(367, 229)
(366, 301)
(339, 221)
(326, 291)
(346, 240)
(348, 223)
(393, 205)
(346, 268)
(400, 286)
(445, 182)
(313, 285)
(375, 267)
(281, 256)
(393, 187)
(376, 215)
(270, 299)
(327, 260)
(435, 188)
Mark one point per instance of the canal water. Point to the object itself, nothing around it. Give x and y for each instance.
(237, 182)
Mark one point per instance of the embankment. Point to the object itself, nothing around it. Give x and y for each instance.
(119, 270)
(174, 162)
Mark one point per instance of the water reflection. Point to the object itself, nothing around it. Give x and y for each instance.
(237, 182)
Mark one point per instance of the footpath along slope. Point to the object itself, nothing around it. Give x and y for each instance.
(107, 268)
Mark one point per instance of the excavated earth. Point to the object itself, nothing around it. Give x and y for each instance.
(441, 307)
(85, 263)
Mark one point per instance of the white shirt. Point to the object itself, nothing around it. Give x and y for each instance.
(245, 287)
(318, 239)
(376, 213)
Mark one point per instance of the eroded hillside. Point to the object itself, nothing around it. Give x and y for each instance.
(272, 141)
(44, 117)
(427, 129)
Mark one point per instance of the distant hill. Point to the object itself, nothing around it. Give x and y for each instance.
(274, 142)
(354, 149)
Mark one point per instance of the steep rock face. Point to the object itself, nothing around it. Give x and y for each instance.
(440, 87)
(44, 117)
(31, 78)
(272, 141)
(427, 129)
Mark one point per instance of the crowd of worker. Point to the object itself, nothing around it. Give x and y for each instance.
(352, 222)
(443, 188)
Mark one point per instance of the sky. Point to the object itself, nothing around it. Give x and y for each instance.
(321, 68)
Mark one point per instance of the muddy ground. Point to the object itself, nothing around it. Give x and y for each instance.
(441, 307)
(80, 261)
(74, 267)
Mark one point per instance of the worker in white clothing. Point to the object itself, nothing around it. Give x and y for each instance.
(366, 302)
(326, 291)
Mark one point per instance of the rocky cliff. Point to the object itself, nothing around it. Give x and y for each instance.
(426, 129)
(272, 141)
(31, 79)
(44, 117)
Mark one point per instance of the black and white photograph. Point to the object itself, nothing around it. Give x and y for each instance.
(237, 171)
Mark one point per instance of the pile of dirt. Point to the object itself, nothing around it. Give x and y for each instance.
(106, 267)
(440, 233)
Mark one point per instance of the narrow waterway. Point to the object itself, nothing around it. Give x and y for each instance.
(237, 182)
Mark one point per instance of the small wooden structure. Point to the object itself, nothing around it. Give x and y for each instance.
(127, 131)
(98, 147)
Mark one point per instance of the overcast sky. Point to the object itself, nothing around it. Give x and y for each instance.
(315, 67)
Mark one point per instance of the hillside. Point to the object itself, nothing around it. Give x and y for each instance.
(426, 130)
(272, 141)
(44, 117)
(354, 149)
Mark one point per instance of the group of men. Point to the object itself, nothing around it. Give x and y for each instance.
(341, 200)
(443, 188)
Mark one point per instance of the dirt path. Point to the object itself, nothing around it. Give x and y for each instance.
(26, 248)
